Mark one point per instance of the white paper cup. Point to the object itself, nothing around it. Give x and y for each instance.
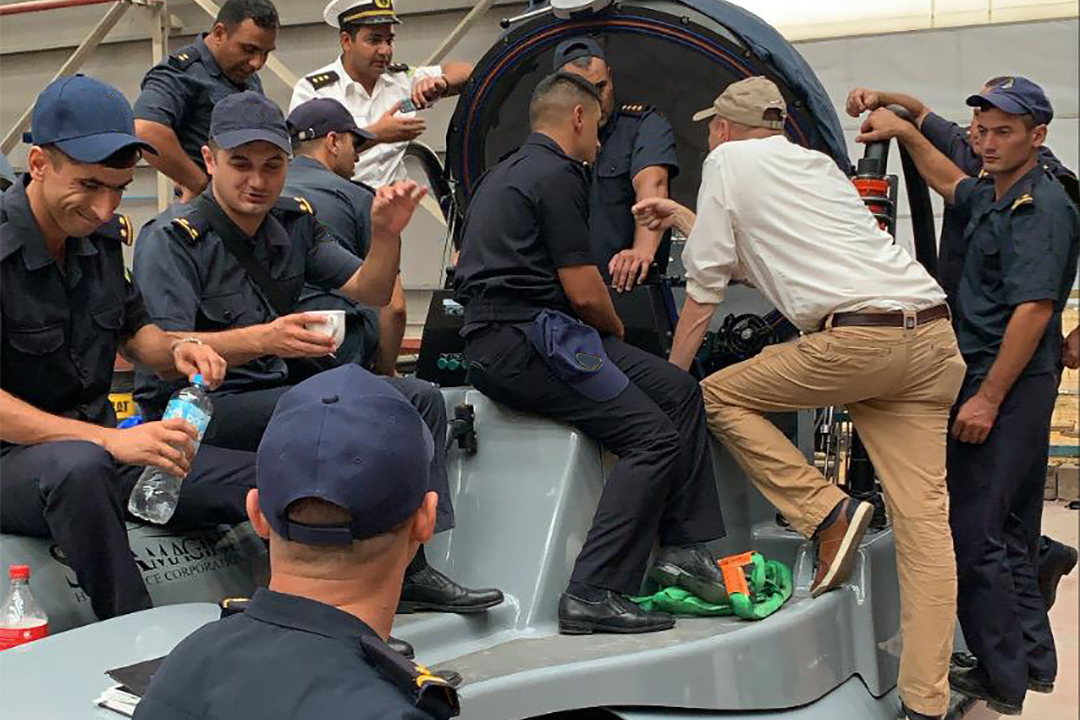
(332, 324)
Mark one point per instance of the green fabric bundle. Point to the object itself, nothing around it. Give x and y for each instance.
(770, 585)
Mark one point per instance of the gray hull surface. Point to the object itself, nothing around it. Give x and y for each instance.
(524, 504)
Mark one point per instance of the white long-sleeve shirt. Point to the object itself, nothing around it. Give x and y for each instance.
(789, 221)
(384, 163)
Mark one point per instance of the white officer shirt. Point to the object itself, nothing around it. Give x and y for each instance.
(383, 163)
(789, 221)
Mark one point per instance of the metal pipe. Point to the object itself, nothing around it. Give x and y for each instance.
(458, 32)
(70, 67)
(40, 5)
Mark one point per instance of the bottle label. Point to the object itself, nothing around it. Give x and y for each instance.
(189, 411)
(11, 637)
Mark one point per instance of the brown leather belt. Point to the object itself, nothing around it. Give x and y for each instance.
(895, 318)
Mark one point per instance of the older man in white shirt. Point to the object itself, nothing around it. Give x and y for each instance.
(876, 339)
(366, 81)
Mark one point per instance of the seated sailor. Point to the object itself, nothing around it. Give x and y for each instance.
(236, 259)
(542, 337)
(67, 306)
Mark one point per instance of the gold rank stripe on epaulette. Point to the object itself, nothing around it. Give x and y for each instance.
(305, 205)
(634, 108)
(425, 676)
(1024, 199)
(127, 230)
(398, 67)
(184, 58)
(322, 79)
(183, 223)
(983, 173)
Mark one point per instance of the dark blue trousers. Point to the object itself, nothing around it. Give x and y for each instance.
(996, 500)
(75, 493)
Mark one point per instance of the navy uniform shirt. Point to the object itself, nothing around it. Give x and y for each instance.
(341, 206)
(952, 141)
(528, 217)
(287, 656)
(62, 323)
(1022, 248)
(634, 138)
(181, 91)
(193, 283)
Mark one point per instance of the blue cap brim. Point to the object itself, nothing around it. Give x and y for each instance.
(236, 138)
(96, 148)
(362, 134)
(1001, 102)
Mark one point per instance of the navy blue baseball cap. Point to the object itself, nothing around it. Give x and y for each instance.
(575, 352)
(349, 438)
(575, 48)
(85, 119)
(1017, 96)
(248, 116)
(320, 116)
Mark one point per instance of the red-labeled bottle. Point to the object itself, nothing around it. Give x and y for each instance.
(21, 618)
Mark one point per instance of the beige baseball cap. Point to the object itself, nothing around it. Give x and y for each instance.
(755, 101)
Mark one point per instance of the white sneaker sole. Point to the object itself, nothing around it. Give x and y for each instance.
(841, 567)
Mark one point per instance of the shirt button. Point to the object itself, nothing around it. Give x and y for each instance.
(228, 314)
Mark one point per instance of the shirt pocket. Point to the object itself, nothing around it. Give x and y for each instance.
(37, 341)
(613, 171)
(226, 311)
(110, 318)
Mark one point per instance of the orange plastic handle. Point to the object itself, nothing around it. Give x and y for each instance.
(732, 569)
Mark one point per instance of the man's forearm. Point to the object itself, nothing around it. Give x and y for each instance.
(24, 424)
(171, 158)
(1022, 336)
(373, 283)
(392, 320)
(151, 347)
(938, 171)
(913, 105)
(651, 182)
(690, 332)
(603, 319)
(456, 74)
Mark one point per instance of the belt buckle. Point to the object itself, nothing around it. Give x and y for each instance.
(911, 320)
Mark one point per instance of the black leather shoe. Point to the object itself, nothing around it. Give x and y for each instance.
(974, 683)
(400, 646)
(691, 568)
(1055, 562)
(907, 713)
(613, 614)
(430, 590)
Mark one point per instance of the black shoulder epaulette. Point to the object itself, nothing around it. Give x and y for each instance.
(424, 689)
(294, 205)
(184, 58)
(119, 228)
(397, 67)
(322, 79)
(233, 606)
(636, 109)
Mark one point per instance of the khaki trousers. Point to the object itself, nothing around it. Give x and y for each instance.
(898, 385)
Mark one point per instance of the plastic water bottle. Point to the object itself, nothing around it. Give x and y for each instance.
(21, 618)
(156, 494)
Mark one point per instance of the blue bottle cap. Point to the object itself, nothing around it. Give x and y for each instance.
(198, 380)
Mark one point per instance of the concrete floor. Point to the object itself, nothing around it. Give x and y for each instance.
(1061, 524)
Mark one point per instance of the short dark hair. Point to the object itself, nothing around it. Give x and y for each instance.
(122, 159)
(559, 82)
(261, 12)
